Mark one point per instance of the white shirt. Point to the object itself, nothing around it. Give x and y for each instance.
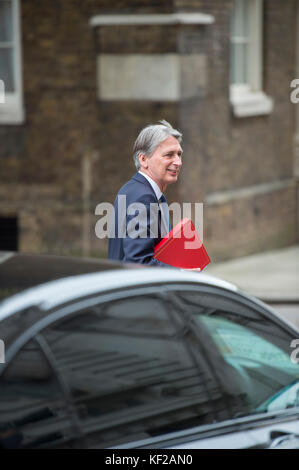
(165, 212)
(153, 184)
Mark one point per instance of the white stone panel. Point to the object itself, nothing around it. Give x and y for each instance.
(154, 77)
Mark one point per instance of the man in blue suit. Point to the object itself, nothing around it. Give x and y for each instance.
(158, 159)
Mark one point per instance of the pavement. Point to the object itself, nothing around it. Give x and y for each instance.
(272, 276)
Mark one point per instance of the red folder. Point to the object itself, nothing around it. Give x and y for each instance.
(182, 247)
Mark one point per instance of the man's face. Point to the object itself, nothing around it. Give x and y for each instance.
(165, 163)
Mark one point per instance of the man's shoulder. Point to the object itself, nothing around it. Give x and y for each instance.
(136, 186)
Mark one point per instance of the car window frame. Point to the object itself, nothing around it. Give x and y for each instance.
(39, 341)
(202, 431)
(56, 312)
(249, 302)
(236, 425)
(70, 308)
(160, 292)
(75, 307)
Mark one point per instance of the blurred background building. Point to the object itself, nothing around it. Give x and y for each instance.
(82, 77)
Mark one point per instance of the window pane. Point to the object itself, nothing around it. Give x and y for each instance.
(6, 69)
(131, 374)
(239, 69)
(240, 19)
(254, 346)
(240, 42)
(5, 21)
(32, 407)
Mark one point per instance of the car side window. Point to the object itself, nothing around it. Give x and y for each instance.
(130, 372)
(32, 406)
(253, 345)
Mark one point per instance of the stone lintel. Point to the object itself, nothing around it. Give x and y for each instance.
(152, 19)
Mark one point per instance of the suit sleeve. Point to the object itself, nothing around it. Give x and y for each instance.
(140, 249)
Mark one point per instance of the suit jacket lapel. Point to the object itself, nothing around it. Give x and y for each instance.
(141, 179)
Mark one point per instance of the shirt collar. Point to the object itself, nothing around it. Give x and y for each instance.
(153, 184)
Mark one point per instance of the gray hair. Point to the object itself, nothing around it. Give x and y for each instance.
(151, 137)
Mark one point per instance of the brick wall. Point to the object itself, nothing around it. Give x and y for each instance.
(42, 161)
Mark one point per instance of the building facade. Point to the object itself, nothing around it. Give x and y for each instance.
(82, 78)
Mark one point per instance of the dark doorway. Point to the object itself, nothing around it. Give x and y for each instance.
(9, 233)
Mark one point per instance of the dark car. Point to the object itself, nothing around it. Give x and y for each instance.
(105, 355)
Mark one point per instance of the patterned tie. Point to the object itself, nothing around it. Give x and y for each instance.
(165, 210)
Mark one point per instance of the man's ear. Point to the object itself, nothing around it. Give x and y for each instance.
(143, 160)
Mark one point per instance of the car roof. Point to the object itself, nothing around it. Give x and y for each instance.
(19, 271)
(115, 276)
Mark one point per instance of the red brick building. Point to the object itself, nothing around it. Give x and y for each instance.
(83, 77)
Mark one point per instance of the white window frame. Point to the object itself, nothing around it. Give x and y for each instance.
(248, 99)
(296, 136)
(12, 110)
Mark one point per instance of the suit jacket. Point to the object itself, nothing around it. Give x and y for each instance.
(136, 250)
